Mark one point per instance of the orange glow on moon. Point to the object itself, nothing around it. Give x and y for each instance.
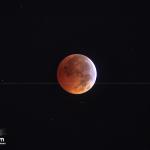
(76, 74)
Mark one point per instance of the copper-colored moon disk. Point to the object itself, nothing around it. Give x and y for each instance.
(76, 74)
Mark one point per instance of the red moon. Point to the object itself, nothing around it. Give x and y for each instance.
(76, 74)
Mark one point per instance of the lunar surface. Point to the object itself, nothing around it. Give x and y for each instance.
(76, 74)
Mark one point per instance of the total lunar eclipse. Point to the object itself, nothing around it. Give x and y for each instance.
(76, 74)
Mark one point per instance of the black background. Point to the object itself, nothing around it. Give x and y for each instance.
(111, 116)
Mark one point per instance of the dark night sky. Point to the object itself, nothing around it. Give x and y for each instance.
(46, 117)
